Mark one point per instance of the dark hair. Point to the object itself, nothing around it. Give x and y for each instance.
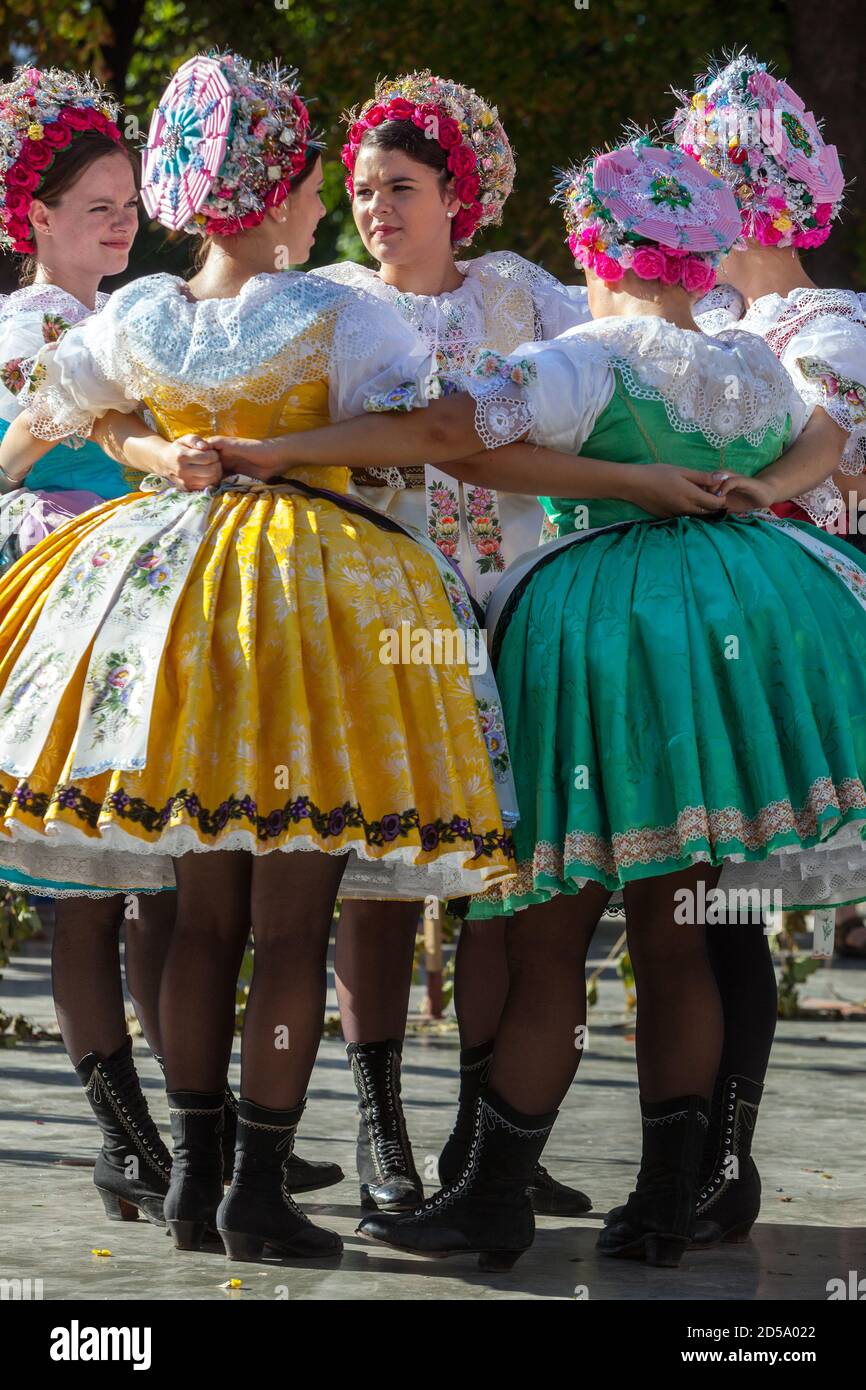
(204, 244)
(411, 140)
(66, 170)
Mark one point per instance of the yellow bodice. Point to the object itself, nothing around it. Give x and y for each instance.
(303, 407)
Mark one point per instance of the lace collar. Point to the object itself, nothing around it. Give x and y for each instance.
(206, 342)
(694, 374)
(48, 299)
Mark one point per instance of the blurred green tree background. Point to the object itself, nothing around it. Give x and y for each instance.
(565, 78)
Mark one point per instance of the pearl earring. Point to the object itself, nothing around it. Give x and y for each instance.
(452, 214)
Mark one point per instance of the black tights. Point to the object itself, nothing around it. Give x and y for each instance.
(679, 1030)
(742, 963)
(288, 901)
(85, 968)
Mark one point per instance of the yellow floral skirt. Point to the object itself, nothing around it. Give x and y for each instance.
(205, 672)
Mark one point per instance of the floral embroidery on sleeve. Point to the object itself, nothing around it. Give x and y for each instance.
(15, 374)
(836, 388)
(403, 397)
(53, 327)
(489, 364)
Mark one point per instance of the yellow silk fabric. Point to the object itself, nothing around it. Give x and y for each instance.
(271, 685)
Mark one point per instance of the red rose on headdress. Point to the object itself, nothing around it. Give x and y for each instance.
(464, 225)
(37, 154)
(376, 114)
(648, 263)
(17, 229)
(347, 155)
(418, 118)
(467, 189)
(20, 176)
(449, 133)
(112, 131)
(17, 203)
(823, 213)
(462, 160)
(301, 110)
(350, 187)
(399, 109)
(75, 117)
(357, 131)
(57, 136)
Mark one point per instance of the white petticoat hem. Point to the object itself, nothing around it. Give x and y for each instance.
(119, 863)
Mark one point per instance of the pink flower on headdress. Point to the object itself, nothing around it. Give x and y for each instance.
(350, 187)
(697, 276)
(648, 263)
(572, 244)
(823, 213)
(764, 231)
(810, 238)
(671, 271)
(399, 109)
(606, 267)
(357, 132)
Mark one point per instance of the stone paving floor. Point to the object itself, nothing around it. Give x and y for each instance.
(809, 1147)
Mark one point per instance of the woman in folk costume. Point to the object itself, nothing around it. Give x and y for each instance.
(429, 167)
(663, 723)
(753, 130)
(69, 207)
(193, 683)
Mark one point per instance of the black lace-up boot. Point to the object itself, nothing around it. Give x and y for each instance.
(549, 1197)
(658, 1220)
(133, 1166)
(197, 1170)
(386, 1168)
(257, 1214)
(486, 1210)
(730, 1195)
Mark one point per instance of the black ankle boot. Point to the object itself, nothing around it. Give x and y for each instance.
(548, 1196)
(386, 1168)
(257, 1212)
(302, 1175)
(658, 1220)
(487, 1210)
(197, 1170)
(133, 1166)
(730, 1194)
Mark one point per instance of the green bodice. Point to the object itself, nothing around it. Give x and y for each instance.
(639, 431)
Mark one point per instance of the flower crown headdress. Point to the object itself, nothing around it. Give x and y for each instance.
(41, 112)
(651, 209)
(480, 158)
(225, 143)
(754, 131)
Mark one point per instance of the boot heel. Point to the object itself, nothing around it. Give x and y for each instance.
(738, 1235)
(187, 1235)
(665, 1251)
(116, 1209)
(242, 1247)
(498, 1261)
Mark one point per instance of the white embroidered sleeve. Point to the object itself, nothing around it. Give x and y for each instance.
(70, 386)
(827, 362)
(378, 361)
(21, 338)
(550, 393)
